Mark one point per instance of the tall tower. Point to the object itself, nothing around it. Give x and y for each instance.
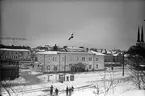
(138, 35)
(142, 37)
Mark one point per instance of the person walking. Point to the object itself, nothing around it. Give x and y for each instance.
(56, 91)
(67, 91)
(72, 88)
(51, 90)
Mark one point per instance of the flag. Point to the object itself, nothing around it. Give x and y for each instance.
(71, 37)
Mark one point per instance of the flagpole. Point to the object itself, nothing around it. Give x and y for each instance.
(65, 58)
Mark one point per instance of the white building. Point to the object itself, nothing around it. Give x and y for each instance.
(55, 61)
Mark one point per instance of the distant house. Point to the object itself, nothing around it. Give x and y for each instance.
(23, 56)
(113, 60)
(11, 60)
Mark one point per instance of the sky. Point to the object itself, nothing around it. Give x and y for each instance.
(95, 23)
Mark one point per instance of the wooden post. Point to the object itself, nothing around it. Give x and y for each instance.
(123, 65)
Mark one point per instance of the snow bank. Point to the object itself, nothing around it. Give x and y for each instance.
(134, 93)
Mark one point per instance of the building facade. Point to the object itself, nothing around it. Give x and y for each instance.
(22, 56)
(113, 60)
(54, 61)
(11, 60)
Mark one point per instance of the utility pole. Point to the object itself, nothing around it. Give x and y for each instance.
(123, 64)
(64, 66)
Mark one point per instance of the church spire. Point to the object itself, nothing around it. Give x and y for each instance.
(138, 35)
(142, 37)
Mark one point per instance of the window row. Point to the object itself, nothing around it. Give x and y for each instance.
(77, 59)
(12, 57)
(90, 66)
(15, 53)
(55, 67)
(70, 58)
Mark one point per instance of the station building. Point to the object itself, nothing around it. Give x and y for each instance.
(58, 61)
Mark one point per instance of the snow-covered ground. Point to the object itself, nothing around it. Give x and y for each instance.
(37, 84)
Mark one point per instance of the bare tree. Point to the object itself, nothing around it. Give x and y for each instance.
(138, 76)
(109, 83)
(136, 62)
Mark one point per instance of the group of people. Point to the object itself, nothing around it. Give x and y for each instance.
(68, 90)
(51, 90)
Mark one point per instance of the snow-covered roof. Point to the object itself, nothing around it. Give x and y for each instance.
(97, 53)
(109, 52)
(48, 52)
(75, 49)
(115, 54)
(77, 52)
(41, 50)
(5, 49)
(125, 55)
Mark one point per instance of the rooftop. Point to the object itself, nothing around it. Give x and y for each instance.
(60, 52)
(47, 52)
(5, 49)
(97, 53)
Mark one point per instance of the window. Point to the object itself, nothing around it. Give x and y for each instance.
(90, 58)
(62, 58)
(96, 59)
(48, 67)
(70, 65)
(53, 58)
(55, 68)
(90, 66)
(77, 58)
(67, 66)
(70, 58)
(97, 66)
(83, 58)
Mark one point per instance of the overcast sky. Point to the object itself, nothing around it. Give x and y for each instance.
(100, 24)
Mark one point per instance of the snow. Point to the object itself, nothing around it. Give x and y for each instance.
(97, 53)
(68, 52)
(37, 84)
(83, 93)
(134, 93)
(48, 52)
(13, 49)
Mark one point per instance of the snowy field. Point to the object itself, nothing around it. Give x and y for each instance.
(33, 83)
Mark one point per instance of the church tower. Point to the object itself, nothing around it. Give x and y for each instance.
(142, 37)
(138, 35)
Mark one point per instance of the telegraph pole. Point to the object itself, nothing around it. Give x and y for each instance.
(64, 66)
(123, 64)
